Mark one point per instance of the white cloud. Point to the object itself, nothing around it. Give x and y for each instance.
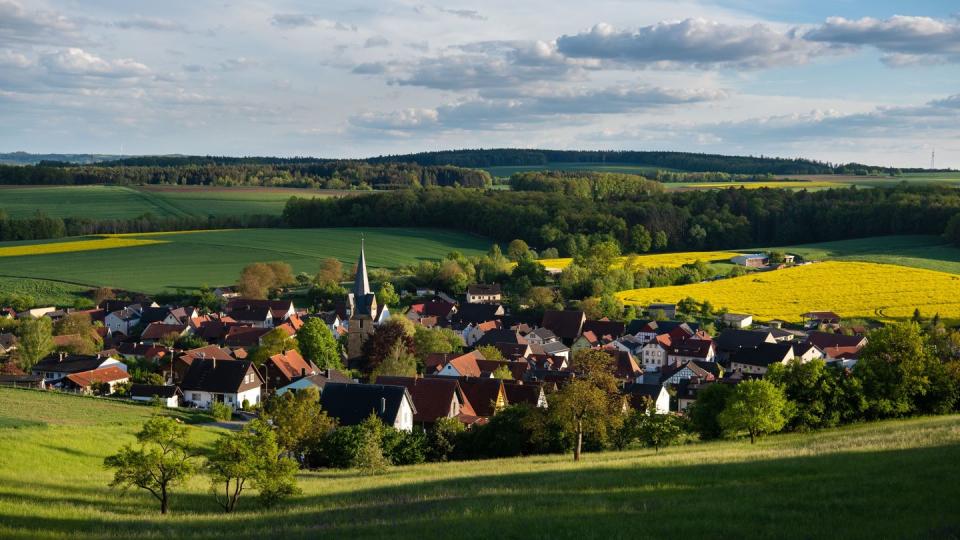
(19, 26)
(75, 61)
(699, 43)
(905, 40)
(307, 20)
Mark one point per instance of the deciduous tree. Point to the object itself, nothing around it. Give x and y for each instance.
(757, 407)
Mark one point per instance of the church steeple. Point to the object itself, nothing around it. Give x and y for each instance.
(361, 282)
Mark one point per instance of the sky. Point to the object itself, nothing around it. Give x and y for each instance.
(871, 81)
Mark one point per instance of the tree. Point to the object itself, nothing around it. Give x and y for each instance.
(599, 258)
(383, 341)
(331, 271)
(387, 296)
(489, 352)
(326, 294)
(318, 345)
(442, 438)
(811, 388)
(706, 409)
(590, 403)
(399, 363)
(102, 294)
(369, 457)
(893, 367)
(300, 424)
(191, 341)
(518, 250)
(658, 430)
(757, 407)
(250, 455)
(163, 460)
(258, 279)
(640, 239)
(273, 342)
(81, 325)
(36, 341)
(660, 240)
(427, 341)
(502, 372)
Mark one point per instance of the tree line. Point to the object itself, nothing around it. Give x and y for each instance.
(673, 221)
(339, 174)
(685, 161)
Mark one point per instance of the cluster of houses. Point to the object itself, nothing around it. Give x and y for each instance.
(661, 361)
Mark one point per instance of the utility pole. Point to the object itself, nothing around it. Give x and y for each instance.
(933, 159)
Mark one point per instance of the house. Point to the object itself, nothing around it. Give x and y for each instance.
(554, 348)
(604, 328)
(732, 340)
(476, 314)
(567, 325)
(737, 320)
(57, 366)
(226, 293)
(168, 395)
(244, 336)
(434, 398)
(837, 346)
(280, 310)
(523, 392)
(124, 320)
(482, 294)
(317, 381)
(36, 313)
(258, 317)
(640, 395)
(646, 330)
(84, 381)
(687, 391)
(234, 382)
(464, 365)
(752, 260)
(624, 365)
(157, 331)
(653, 355)
(691, 349)
(805, 352)
(815, 319)
(485, 394)
(756, 360)
(472, 333)
(283, 368)
(540, 336)
(677, 373)
(351, 404)
(664, 311)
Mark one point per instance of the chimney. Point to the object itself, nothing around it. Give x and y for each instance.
(60, 356)
(303, 372)
(214, 362)
(383, 405)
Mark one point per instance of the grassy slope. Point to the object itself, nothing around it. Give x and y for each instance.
(929, 252)
(216, 257)
(891, 479)
(118, 202)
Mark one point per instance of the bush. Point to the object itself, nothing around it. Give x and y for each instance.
(403, 448)
(442, 438)
(245, 405)
(221, 412)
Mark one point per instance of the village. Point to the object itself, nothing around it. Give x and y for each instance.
(660, 361)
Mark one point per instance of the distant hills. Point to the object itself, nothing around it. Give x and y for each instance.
(493, 157)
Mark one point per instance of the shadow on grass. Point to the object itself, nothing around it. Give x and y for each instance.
(903, 493)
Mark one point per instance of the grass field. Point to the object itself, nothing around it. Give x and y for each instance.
(947, 178)
(851, 289)
(216, 257)
(672, 260)
(916, 251)
(119, 202)
(894, 479)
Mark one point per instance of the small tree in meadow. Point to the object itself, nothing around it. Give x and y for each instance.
(164, 459)
(757, 407)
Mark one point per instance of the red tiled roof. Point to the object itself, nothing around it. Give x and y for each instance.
(291, 364)
(159, 330)
(85, 379)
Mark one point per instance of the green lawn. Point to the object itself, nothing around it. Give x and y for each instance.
(216, 257)
(119, 202)
(917, 251)
(896, 479)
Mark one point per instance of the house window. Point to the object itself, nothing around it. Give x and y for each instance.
(229, 399)
(195, 397)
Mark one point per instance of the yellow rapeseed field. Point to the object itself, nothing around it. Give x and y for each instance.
(758, 185)
(80, 245)
(672, 260)
(851, 289)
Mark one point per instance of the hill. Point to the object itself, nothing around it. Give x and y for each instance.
(888, 479)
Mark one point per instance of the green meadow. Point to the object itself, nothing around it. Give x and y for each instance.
(121, 202)
(214, 258)
(894, 479)
(916, 251)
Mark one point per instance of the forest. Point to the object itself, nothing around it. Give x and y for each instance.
(209, 171)
(678, 220)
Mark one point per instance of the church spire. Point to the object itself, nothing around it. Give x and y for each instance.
(361, 283)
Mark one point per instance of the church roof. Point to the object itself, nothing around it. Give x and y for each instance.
(361, 283)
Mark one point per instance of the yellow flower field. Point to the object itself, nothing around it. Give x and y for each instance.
(851, 289)
(80, 245)
(758, 185)
(672, 260)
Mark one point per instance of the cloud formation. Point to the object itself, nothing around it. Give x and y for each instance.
(699, 43)
(307, 20)
(904, 40)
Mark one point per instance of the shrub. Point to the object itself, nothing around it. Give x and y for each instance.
(221, 411)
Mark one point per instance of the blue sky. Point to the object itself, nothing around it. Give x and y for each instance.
(846, 80)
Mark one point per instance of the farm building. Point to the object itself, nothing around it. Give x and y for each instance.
(737, 320)
(752, 260)
(481, 293)
(168, 395)
(669, 311)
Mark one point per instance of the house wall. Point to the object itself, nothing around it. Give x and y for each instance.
(404, 421)
(170, 402)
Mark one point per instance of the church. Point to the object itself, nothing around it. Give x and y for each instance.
(363, 312)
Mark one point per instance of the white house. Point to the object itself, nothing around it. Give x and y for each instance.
(168, 395)
(351, 404)
(123, 320)
(59, 365)
(640, 393)
(234, 382)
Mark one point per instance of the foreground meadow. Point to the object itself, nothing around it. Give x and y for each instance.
(851, 289)
(889, 479)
